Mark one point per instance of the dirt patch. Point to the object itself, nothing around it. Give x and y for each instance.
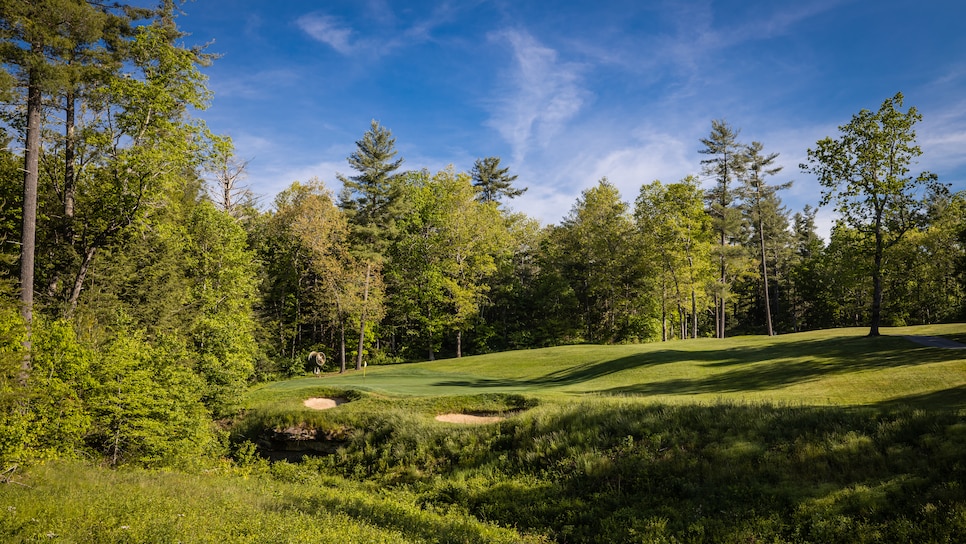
(468, 418)
(323, 403)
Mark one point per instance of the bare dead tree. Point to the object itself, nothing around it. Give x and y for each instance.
(228, 171)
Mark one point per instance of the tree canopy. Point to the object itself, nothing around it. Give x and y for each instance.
(866, 174)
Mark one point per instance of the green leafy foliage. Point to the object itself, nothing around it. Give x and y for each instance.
(88, 504)
(674, 227)
(599, 256)
(221, 274)
(866, 174)
(146, 406)
(445, 255)
(59, 386)
(14, 428)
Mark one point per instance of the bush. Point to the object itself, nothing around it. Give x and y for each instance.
(147, 405)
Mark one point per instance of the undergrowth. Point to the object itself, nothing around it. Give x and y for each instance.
(606, 470)
(594, 469)
(256, 503)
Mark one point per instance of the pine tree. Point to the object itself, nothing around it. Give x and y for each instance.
(28, 31)
(762, 203)
(371, 198)
(726, 166)
(493, 182)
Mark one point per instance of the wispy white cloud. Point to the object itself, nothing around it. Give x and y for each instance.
(258, 84)
(541, 94)
(328, 30)
(387, 32)
(544, 203)
(248, 145)
(628, 154)
(274, 163)
(779, 22)
(699, 36)
(942, 137)
(422, 28)
(379, 11)
(271, 179)
(694, 42)
(945, 147)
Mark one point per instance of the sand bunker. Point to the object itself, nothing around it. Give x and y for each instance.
(468, 418)
(322, 403)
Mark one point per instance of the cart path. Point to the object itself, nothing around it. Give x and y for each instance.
(935, 342)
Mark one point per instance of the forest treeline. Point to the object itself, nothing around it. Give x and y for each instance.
(145, 287)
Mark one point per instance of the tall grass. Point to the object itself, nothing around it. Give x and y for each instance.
(85, 504)
(618, 470)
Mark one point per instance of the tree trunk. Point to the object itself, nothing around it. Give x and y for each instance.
(764, 273)
(721, 309)
(459, 344)
(70, 177)
(683, 319)
(663, 313)
(362, 319)
(677, 294)
(297, 333)
(79, 281)
(714, 313)
(342, 345)
(28, 238)
(694, 298)
(694, 313)
(877, 281)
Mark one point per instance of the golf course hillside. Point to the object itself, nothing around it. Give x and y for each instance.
(828, 436)
(841, 367)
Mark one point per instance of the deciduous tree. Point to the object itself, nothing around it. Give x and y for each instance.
(335, 290)
(673, 223)
(446, 253)
(866, 174)
(600, 261)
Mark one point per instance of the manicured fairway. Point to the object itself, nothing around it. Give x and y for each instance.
(836, 367)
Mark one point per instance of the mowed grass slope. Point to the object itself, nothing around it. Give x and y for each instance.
(834, 367)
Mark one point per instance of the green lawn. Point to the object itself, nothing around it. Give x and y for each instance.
(835, 367)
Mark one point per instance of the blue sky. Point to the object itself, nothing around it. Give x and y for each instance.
(569, 92)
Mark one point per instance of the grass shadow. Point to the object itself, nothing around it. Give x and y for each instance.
(736, 369)
(759, 368)
(953, 398)
(576, 374)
